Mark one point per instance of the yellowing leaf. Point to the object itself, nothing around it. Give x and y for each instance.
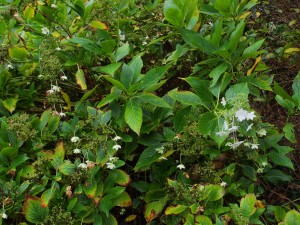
(130, 218)
(292, 22)
(10, 104)
(55, 34)
(258, 59)
(80, 79)
(28, 12)
(98, 25)
(291, 50)
(245, 15)
(18, 53)
(257, 14)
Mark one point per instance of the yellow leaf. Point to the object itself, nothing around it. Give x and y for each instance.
(80, 79)
(28, 12)
(55, 34)
(257, 14)
(292, 22)
(130, 218)
(291, 50)
(258, 59)
(245, 15)
(98, 25)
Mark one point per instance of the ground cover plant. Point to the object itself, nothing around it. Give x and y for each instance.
(147, 112)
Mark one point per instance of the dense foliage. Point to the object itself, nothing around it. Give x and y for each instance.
(138, 112)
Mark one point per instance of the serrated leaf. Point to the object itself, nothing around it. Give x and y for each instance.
(236, 35)
(87, 44)
(148, 156)
(237, 89)
(123, 200)
(108, 69)
(281, 159)
(67, 168)
(251, 51)
(18, 53)
(153, 100)
(134, 115)
(10, 152)
(213, 192)
(119, 177)
(115, 83)
(292, 218)
(58, 156)
(247, 205)
(185, 97)
(80, 79)
(53, 124)
(33, 210)
(46, 197)
(288, 130)
(203, 220)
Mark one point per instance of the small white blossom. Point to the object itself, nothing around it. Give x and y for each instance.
(62, 114)
(144, 43)
(111, 166)
(201, 188)
(260, 170)
(40, 76)
(247, 144)
(233, 129)
(113, 159)
(250, 116)
(116, 147)
(122, 37)
(53, 6)
(58, 49)
(4, 215)
(222, 133)
(75, 139)
(225, 126)
(254, 146)
(249, 127)
(223, 184)
(55, 88)
(160, 150)
(64, 78)
(76, 151)
(223, 102)
(264, 164)
(181, 166)
(50, 91)
(241, 115)
(234, 145)
(45, 30)
(262, 132)
(162, 158)
(82, 166)
(116, 138)
(10, 66)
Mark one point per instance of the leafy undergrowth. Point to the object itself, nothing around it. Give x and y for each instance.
(142, 112)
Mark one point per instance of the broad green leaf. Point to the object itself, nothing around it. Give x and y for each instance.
(119, 177)
(59, 155)
(222, 5)
(216, 73)
(279, 213)
(261, 84)
(28, 12)
(87, 44)
(18, 53)
(248, 205)
(281, 92)
(46, 197)
(4, 77)
(276, 176)
(18, 160)
(67, 168)
(285, 103)
(207, 123)
(136, 65)
(33, 210)
(180, 51)
(108, 69)
(251, 51)
(289, 134)
(153, 100)
(10, 152)
(110, 220)
(127, 75)
(90, 188)
(220, 86)
(296, 89)
(22, 188)
(236, 90)
(3, 27)
(213, 192)
(236, 35)
(44, 119)
(123, 200)
(80, 79)
(121, 52)
(88, 94)
(134, 115)
(53, 124)
(148, 156)
(10, 104)
(217, 34)
(98, 25)
(281, 159)
(249, 172)
(175, 209)
(152, 209)
(109, 98)
(292, 218)
(196, 40)
(115, 82)
(181, 118)
(173, 12)
(203, 220)
(185, 97)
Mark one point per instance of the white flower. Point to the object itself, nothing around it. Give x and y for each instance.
(4, 215)
(77, 151)
(262, 132)
(82, 166)
(181, 166)
(247, 144)
(233, 129)
(10, 66)
(58, 49)
(40, 76)
(234, 145)
(250, 116)
(249, 127)
(160, 150)
(223, 184)
(55, 88)
(45, 30)
(223, 102)
(50, 91)
(260, 170)
(122, 37)
(62, 114)
(222, 133)
(116, 147)
(116, 138)
(75, 139)
(264, 164)
(113, 159)
(225, 126)
(64, 78)
(201, 188)
(241, 115)
(144, 43)
(111, 166)
(254, 146)
(53, 6)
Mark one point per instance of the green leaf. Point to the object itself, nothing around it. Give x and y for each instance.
(10, 104)
(296, 89)
(196, 40)
(152, 209)
(88, 94)
(173, 12)
(28, 12)
(175, 209)
(3, 27)
(80, 79)
(203, 220)
(46, 197)
(126, 76)
(59, 155)
(98, 25)
(217, 72)
(288, 130)
(18, 160)
(33, 210)
(123, 200)
(185, 97)
(109, 98)
(119, 177)
(213, 192)
(148, 156)
(108, 69)
(217, 34)
(115, 83)
(221, 85)
(207, 123)
(67, 168)
(292, 218)
(10, 152)
(237, 89)
(248, 205)
(136, 65)
(121, 52)
(134, 115)
(236, 35)
(181, 118)
(281, 92)
(44, 119)
(18, 53)
(251, 51)
(53, 123)
(153, 100)
(222, 5)
(276, 176)
(249, 172)
(87, 44)
(262, 84)
(281, 159)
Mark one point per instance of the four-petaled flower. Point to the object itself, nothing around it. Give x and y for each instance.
(75, 139)
(254, 146)
(181, 166)
(110, 166)
(82, 166)
(223, 184)
(45, 30)
(116, 138)
(77, 151)
(64, 78)
(116, 147)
